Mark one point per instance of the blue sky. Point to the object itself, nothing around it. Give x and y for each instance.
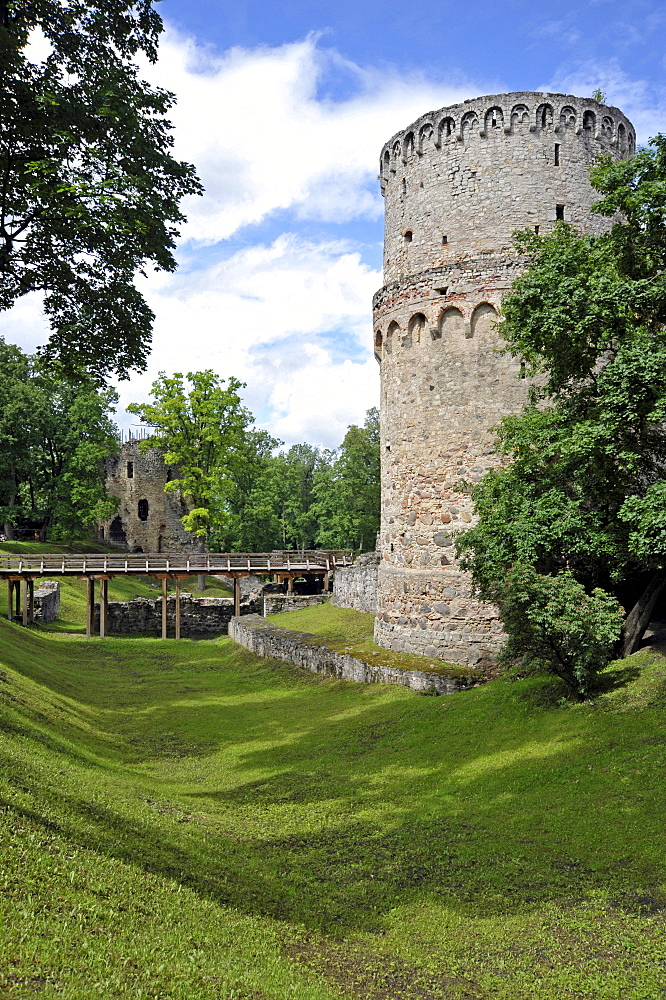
(284, 108)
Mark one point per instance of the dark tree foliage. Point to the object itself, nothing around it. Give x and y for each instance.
(583, 491)
(347, 490)
(55, 433)
(89, 191)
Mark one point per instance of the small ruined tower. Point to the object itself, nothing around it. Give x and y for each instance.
(457, 183)
(148, 519)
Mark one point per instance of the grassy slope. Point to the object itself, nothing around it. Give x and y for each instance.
(351, 632)
(121, 588)
(185, 820)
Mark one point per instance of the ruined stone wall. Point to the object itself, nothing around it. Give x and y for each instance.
(303, 649)
(148, 519)
(198, 616)
(47, 601)
(356, 586)
(276, 604)
(457, 183)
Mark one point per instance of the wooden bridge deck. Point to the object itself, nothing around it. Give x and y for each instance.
(21, 571)
(155, 564)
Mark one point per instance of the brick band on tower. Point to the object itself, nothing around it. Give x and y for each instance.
(457, 184)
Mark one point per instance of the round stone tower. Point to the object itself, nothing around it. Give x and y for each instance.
(457, 183)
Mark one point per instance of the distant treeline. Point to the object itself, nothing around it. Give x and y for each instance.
(243, 491)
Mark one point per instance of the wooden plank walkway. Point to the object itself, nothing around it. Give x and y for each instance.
(93, 564)
(21, 571)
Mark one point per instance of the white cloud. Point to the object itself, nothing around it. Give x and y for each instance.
(263, 139)
(25, 324)
(644, 103)
(292, 319)
(291, 316)
(317, 402)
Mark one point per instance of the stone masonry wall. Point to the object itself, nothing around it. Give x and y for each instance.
(198, 616)
(356, 586)
(457, 183)
(275, 604)
(47, 601)
(148, 519)
(266, 639)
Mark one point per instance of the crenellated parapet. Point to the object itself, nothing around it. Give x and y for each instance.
(460, 181)
(507, 114)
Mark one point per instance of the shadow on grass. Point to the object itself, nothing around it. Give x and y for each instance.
(490, 857)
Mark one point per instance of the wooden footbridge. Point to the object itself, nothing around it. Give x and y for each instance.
(21, 571)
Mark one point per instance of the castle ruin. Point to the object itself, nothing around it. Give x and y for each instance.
(457, 184)
(148, 519)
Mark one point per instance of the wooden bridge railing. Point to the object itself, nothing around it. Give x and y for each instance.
(92, 564)
(20, 572)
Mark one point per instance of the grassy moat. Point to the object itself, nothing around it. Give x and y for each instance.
(187, 821)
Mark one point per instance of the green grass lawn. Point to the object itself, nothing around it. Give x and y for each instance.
(187, 821)
(348, 631)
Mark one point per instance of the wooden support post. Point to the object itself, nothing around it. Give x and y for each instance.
(290, 584)
(10, 600)
(103, 606)
(90, 606)
(236, 596)
(177, 607)
(17, 598)
(164, 607)
(31, 602)
(24, 601)
(327, 582)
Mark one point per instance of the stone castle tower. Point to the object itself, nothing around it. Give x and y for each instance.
(457, 183)
(148, 519)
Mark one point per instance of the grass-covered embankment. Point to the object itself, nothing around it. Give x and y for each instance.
(348, 631)
(185, 820)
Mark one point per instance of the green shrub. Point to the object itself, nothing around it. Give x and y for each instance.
(552, 621)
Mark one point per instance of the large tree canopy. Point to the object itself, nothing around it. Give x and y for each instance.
(347, 490)
(200, 425)
(55, 433)
(582, 493)
(89, 191)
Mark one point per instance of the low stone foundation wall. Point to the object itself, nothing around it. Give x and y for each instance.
(198, 616)
(47, 601)
(356, 586)
(266, 639)
(275, 604)
(450, 623)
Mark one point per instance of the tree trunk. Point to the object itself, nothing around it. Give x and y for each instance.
(201, 577)
(9, 527)
(639, 617)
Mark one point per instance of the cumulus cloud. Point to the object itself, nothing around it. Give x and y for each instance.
(264, 138)
(290, 315)
(291, 318)
(643, 102)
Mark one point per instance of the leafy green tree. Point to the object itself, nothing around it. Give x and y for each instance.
(347, 490)
(253, 524)
(74, 434)
(587, 456)
(54, 436)
(552, 622)
(89, 191)
(201, 428)
(18, 399)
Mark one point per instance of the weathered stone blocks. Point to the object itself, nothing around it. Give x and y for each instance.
(460, 181)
